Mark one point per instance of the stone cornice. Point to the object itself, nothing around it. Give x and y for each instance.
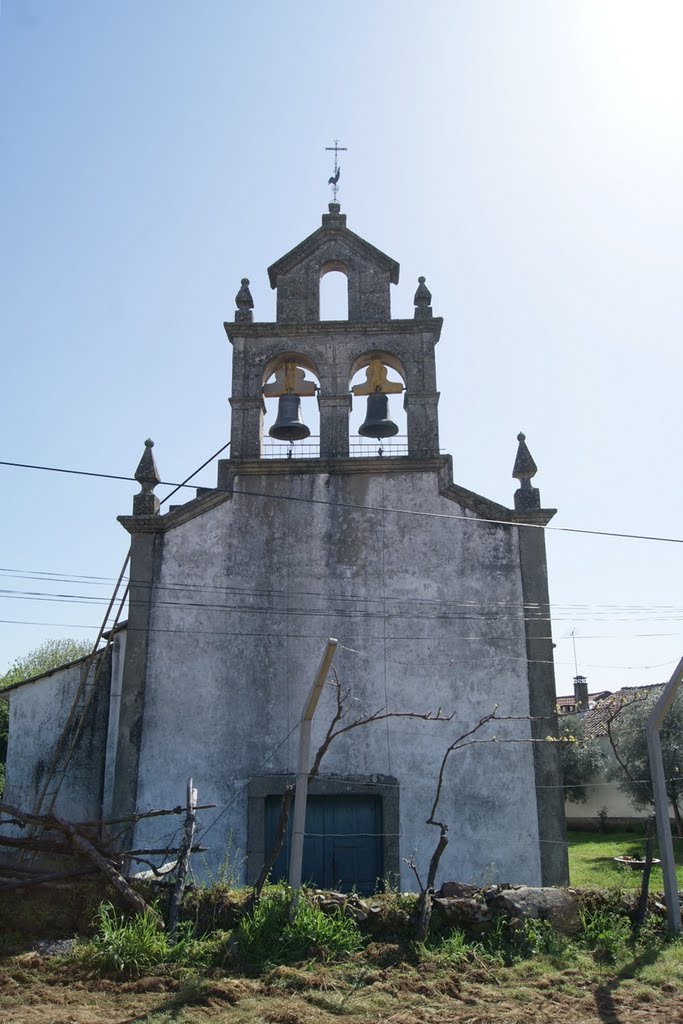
(182, 514)
(228, 469)
(326, 328)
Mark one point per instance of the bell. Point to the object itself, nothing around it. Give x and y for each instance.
(377, 423)
(289, 425)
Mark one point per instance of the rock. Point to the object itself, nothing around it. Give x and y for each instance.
(54, 947)
(462, 911)
(559, 906)
(457, 889)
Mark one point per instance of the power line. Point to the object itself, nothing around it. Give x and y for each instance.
(375, 508)
(556, 607)
(83, 472)
(594, 612)
(425, 611)
(276, 636)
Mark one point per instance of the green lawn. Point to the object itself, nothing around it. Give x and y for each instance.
(591, 862)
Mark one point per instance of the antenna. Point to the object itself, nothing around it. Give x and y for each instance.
(573, 636)
(334, 180)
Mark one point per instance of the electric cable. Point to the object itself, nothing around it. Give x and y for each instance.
(372, 508)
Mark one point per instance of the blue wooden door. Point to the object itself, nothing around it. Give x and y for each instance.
(342, 846)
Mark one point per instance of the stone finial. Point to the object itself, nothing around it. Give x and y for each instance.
(244, 303)
(146, 502)
(335, 218)
(527, 498)
(422, 300)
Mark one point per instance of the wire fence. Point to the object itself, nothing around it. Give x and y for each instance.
(388, 447)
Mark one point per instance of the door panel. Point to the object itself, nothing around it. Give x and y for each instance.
(343, 844)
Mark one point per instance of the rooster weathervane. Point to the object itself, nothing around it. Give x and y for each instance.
(334, 180)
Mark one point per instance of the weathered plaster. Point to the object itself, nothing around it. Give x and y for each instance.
(549, 792)
(38, 713)
(428, 612)
(145, 556)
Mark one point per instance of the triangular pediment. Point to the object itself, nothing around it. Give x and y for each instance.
(346, 240)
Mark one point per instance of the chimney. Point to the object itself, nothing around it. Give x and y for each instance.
(581, 693)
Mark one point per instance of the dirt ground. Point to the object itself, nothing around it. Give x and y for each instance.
(38, 990)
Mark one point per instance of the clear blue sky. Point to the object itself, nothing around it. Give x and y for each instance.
(525, 155)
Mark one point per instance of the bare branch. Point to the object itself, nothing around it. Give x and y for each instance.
(439, 784)
(159, 872)
(410, 861)
(280, 833)
(615, 750)
(340, 712)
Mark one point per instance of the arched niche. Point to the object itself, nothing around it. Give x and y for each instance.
(334, 291)
(307, 373)
(396, 376)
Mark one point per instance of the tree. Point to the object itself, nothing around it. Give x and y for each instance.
(50, 654)
(582, 757)
(626, 730)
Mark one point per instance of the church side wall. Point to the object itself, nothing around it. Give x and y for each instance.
(428, 613)
(38, 713)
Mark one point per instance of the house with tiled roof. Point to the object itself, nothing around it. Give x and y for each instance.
(597, 710)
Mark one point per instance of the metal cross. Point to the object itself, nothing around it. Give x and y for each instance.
(334, 180)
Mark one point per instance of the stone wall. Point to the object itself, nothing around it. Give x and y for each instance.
(428, 613)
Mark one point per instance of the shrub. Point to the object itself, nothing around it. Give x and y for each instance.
(135, 945)
(539, 938)
(122, 946)
(266, 937)
(454, 948)
(605, 933)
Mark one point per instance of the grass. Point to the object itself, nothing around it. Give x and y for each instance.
(266, 936)
(462, 982)
(592, 865)
(318, 969)
(133, 946)
(261, 967)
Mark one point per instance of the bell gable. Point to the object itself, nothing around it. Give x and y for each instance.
(369, 272)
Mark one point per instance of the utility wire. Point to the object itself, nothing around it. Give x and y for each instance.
(83, 472)
(372, 508)
(317, 636)
(169, 585)
(451, 613)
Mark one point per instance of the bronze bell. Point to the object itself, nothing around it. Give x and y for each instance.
(289, 425)
(377, 423)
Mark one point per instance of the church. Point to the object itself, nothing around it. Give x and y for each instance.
(437, 598)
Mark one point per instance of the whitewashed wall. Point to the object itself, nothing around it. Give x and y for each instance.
(428, 612)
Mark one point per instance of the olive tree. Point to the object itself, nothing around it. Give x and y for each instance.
(626, 730)
(582, 757)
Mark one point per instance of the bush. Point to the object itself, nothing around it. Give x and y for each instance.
(453, 949)
(266, 937)
(605, 933)
(133, 946)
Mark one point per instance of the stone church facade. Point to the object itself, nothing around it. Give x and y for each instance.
(438, 598)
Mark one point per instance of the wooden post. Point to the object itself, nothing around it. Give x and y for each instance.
(300, 796)
(641, 910)
(183, 858)
(666, 847)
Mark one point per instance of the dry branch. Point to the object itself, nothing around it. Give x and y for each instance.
(81, 842)
(61, 876)
(340, 713)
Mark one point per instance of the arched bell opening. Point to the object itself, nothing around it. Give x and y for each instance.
(334, 291)
(378, 423)
(291, 421)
